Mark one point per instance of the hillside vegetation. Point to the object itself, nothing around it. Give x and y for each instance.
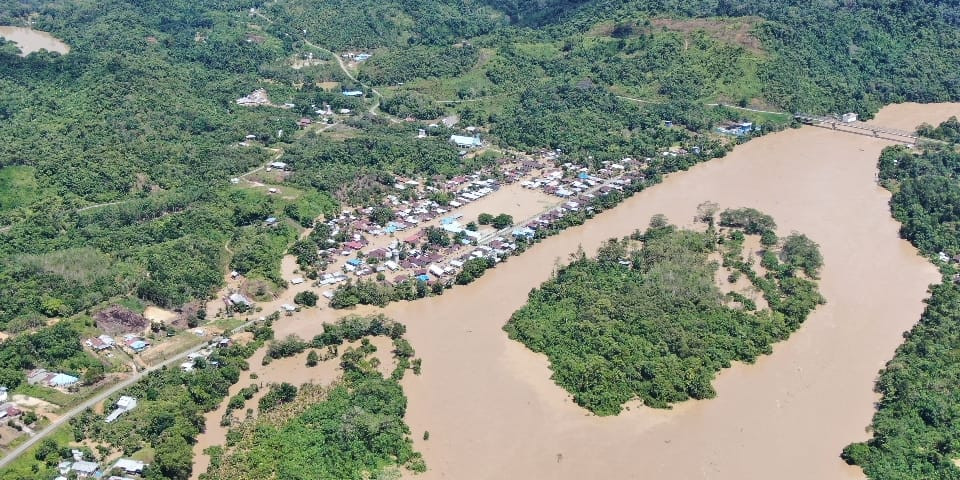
(139, 116)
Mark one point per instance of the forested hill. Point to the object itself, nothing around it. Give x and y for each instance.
(826, 55)
(122, 150)
(801, 55)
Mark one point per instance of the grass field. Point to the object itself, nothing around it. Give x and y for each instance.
(18, 187)
(23, 466)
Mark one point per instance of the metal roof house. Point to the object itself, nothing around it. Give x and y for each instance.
(465, 142)
(124, 404)
(236, 298)
(129, 465)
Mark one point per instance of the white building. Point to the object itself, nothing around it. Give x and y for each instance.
(236, 298)
(258, 97)
(130, 466)
(124, 404)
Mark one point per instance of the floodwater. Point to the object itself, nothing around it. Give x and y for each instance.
(493, 412)
(292, 370)
(30, 40)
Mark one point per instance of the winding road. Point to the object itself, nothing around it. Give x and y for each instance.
(374, 109)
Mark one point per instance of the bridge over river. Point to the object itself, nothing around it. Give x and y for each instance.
(861, 128)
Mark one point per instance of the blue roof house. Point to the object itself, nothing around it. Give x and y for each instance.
(465, 142)
(63, 380)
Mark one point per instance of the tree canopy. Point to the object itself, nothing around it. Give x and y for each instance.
(649, 322)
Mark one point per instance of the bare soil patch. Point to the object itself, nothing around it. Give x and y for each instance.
(736, 31)
(242, 338)
(118, 320)
(157, 314)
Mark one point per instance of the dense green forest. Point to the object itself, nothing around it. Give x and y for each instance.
(818, 56)
(353, 429)
(914, 428)
(649, 321)
(140, 115)
(54, 348)
(926, 196)
(822, 57)
(948, 131)
(137, 117)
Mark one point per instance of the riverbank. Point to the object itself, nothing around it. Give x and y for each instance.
(493, 412)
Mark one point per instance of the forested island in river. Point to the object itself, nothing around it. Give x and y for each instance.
(652, 323)
(181, 182)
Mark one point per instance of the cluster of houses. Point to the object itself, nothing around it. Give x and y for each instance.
(80, 468)
(412, 255)
(101, 343)
(325, 114)
(738, 129)
(572, 181)
(215, 342)
(134, 343)
(416, 202)
(356, 56)
(414, 259)
(410, 214)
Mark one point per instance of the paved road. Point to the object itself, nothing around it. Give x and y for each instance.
(99, 397)
(20, 449)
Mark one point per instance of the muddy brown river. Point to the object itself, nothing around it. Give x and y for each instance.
(493, 412)
(30, 40)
